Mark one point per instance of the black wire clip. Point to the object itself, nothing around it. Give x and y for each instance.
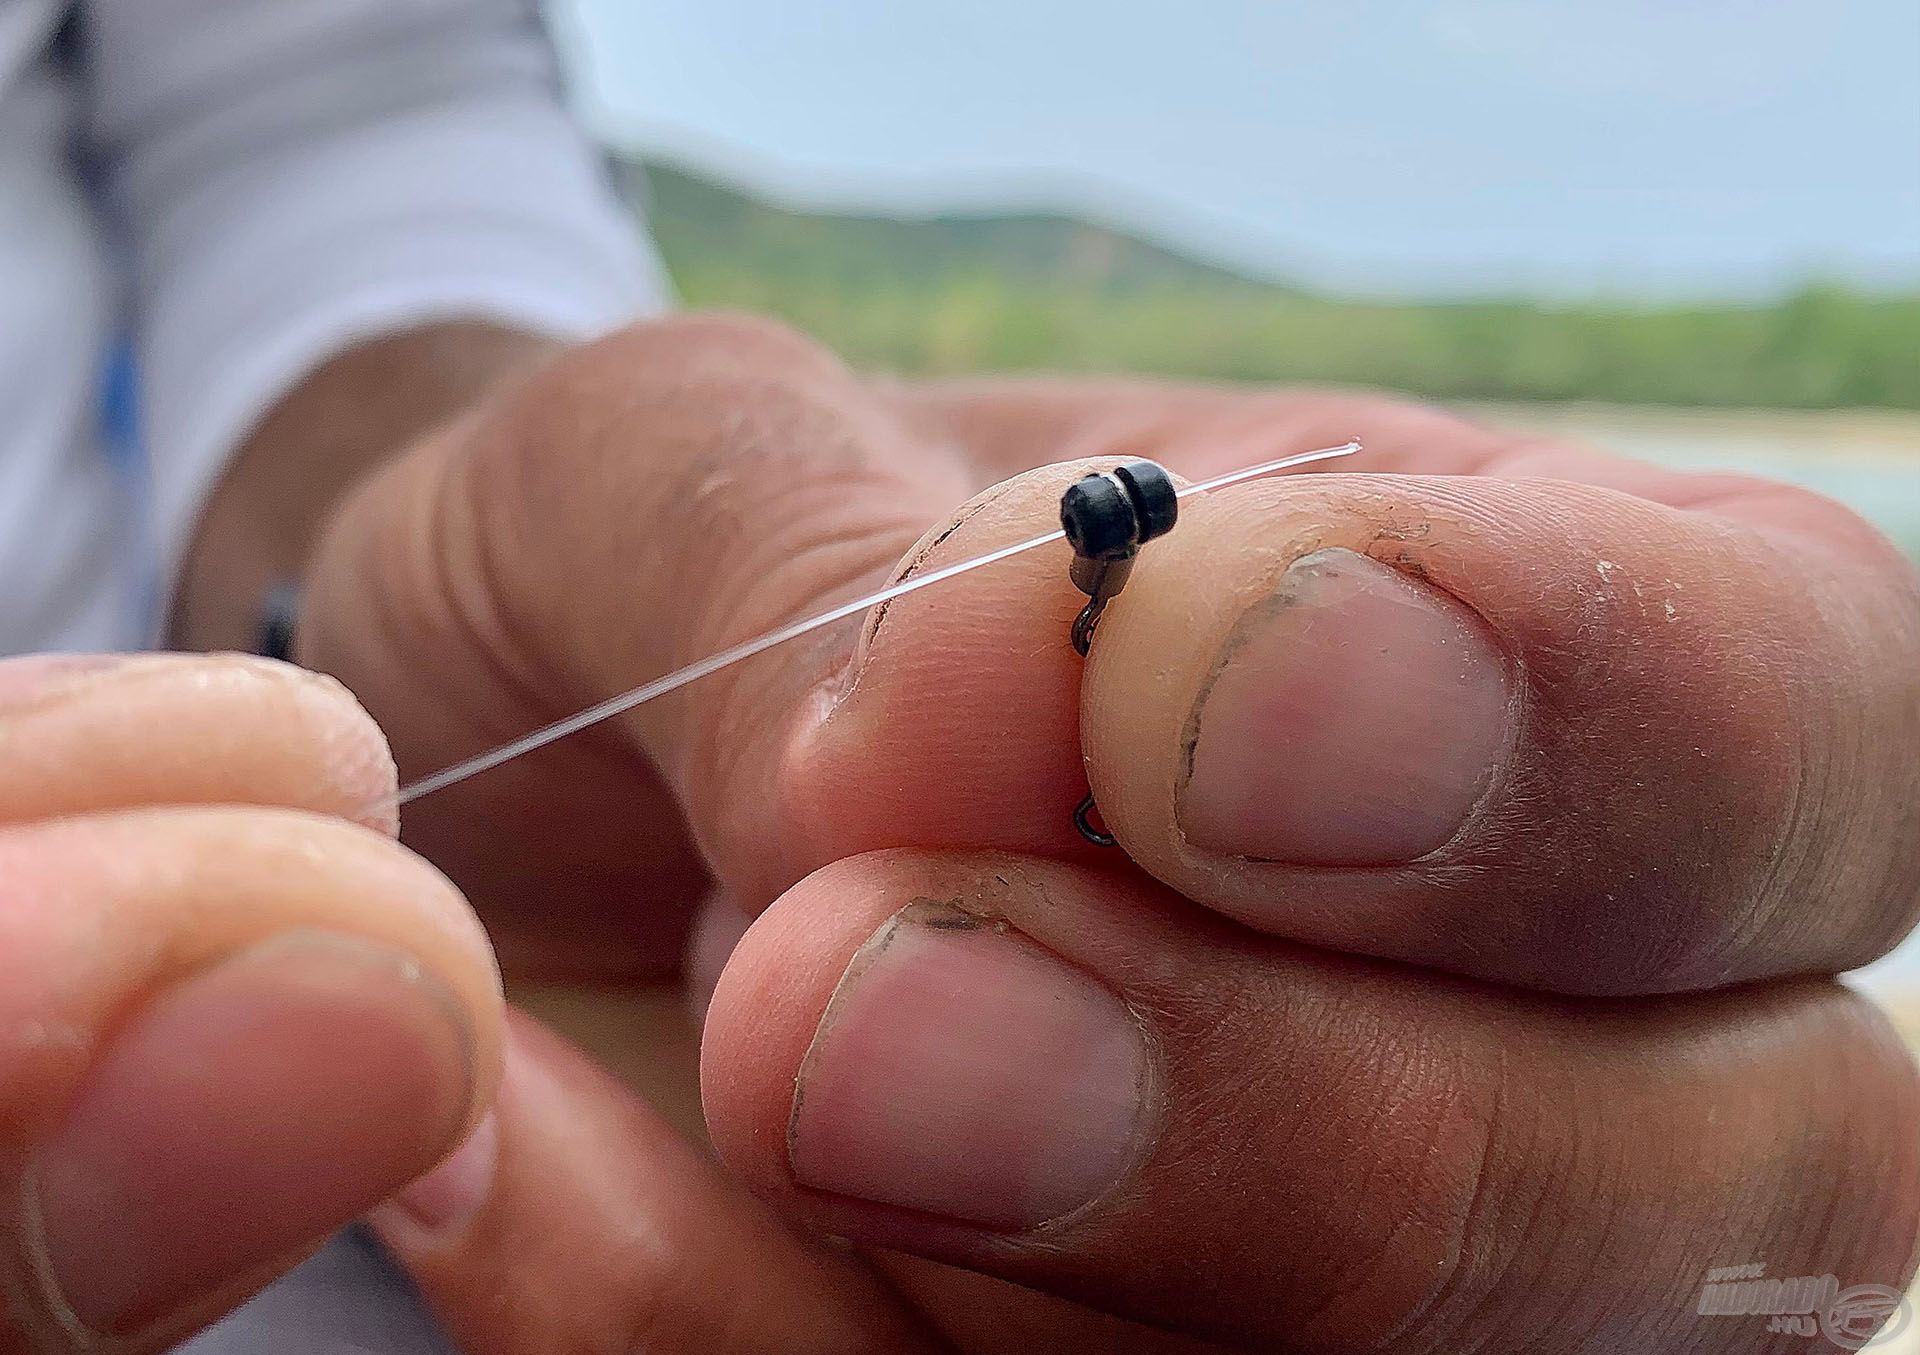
(1107, 518)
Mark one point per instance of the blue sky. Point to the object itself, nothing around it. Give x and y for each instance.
(1565, 146)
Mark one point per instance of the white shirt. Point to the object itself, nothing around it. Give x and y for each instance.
(232, 191)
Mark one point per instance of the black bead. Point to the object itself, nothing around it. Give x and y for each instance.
(1108, 517)
(1155, 500)
(1099, 517)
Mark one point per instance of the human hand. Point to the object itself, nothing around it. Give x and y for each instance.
(231, 1019)
(1491, 827)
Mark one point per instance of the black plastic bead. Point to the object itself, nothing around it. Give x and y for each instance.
(1100, 519)
(1155, 499)
(1108, 517)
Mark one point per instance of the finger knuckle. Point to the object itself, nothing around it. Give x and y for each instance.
(719, 342)
(661, 413)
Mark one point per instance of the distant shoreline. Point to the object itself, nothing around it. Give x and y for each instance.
(1866, 458)
(1889, 437)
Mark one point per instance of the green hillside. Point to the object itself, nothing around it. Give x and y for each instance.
(956, 293)
(700, 221)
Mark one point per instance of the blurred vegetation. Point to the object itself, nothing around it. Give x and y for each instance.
(958, 293)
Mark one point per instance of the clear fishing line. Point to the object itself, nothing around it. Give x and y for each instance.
(760, 644)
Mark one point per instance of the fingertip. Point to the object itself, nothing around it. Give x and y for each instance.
(334, 739)
(351, 755)
(100, 732)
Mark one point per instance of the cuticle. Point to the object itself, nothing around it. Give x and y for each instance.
(857, 964)
(1277, 598)
(841, 687)
(863, 959)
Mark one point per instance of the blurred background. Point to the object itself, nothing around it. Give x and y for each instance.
(1686, 231)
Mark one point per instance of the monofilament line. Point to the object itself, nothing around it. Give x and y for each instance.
(760, 644)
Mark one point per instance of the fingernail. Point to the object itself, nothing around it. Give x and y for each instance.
(442, 1202)
(244, 1114)
(963, 1070)
(1356, 717)
(37, 675)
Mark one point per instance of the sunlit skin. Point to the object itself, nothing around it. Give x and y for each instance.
(1504, 1061)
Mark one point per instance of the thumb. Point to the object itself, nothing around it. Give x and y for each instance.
(576, 1219)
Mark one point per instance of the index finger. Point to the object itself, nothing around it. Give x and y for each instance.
(639, 505)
